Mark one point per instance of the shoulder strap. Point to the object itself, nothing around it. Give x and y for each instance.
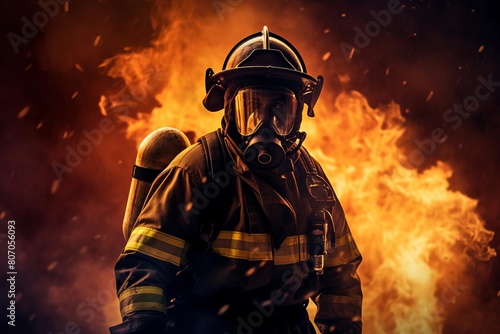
(307, 160)
(212, 147)
(321, 199)
(318, 188)
(215, 158)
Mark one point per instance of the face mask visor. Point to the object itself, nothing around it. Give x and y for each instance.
(255, 105)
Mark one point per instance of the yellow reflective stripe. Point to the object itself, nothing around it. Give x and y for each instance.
(241, 236)
(341, 258)
(258, 247)
(140, 290)
(245, 246)
(292, 250)
(344, 240)
(145, 306)
(157, 244)
(143, 298)
(167, 238)
(345, 251)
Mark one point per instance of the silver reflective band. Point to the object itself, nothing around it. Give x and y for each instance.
(255, 105)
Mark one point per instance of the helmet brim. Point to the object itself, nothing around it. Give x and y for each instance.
(271, 72)
(214, 100)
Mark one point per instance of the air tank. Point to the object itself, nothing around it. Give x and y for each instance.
(155, 152)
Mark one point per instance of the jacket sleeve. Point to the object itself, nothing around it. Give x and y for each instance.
(155, 251)
(339, 298)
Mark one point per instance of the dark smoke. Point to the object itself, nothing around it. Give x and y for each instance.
(69, 232)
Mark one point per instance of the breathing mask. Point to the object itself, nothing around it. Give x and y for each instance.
(265, 118)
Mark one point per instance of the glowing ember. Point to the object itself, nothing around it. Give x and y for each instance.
(23, 112)
(97, 40)
(52, 265)
(54, 187)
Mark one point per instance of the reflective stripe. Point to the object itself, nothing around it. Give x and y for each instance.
(258, 247)
(292, 250)
(344, 240)
(245, 246)
(156, 244)
(142, 298)
(345, 251)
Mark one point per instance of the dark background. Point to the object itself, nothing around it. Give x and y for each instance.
(69, 233)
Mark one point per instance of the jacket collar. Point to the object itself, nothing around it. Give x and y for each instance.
(277, 209)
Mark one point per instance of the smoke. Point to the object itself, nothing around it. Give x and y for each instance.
(69, 213)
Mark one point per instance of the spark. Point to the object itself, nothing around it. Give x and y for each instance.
(351, 54)
(54, 187)
(250, 271)
(429, 97)
(52, 265)
(97, 40)
(223, 309)
(23, 112)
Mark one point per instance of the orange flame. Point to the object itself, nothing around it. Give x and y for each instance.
(415, 234)
(413, 231)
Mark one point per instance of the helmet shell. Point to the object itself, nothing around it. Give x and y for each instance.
(262, 56)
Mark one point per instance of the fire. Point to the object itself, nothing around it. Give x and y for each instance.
(416, 235)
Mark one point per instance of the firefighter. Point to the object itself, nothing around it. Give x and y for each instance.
(243, 228)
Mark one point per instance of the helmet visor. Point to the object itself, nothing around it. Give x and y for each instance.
(255, 105)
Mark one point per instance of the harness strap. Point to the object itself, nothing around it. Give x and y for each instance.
(317, 187)
(213, 149)
(320, 225)
(145, 174)
(215, 158)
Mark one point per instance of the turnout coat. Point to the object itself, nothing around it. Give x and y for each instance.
(219, 248)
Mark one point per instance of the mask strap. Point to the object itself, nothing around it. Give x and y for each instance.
(301, 136)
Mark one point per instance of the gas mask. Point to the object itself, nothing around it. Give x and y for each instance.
(265, 118)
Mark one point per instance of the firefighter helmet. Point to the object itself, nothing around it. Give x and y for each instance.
(265, 56)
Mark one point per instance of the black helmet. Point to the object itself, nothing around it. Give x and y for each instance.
(262, 56)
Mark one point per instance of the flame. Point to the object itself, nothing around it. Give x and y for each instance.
(416, 235)
(414, 232)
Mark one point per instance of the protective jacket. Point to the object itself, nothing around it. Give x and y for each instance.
(224, 250)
